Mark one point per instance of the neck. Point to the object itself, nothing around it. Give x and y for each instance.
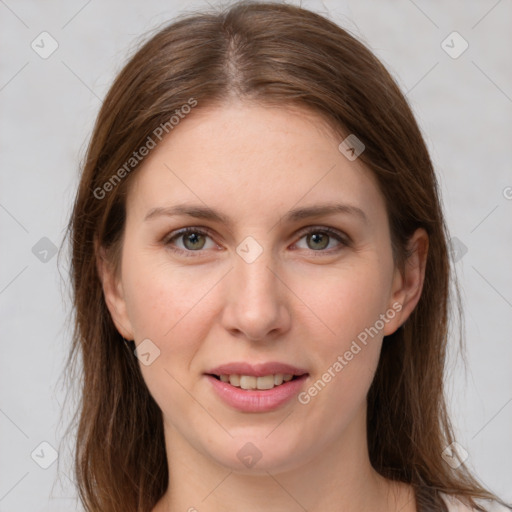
(338, 478)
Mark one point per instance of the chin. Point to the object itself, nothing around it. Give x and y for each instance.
(255, 453)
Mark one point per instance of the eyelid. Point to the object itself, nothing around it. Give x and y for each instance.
(177, 233)
(189, 229)
(340, 235)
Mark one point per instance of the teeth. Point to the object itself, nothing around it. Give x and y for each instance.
(234, 380)
(248, 382)
(278, 379)
(266, 382)
(252, 382)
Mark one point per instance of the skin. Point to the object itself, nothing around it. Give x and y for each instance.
(299, 302)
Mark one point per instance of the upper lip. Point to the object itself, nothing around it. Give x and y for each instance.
(256, 370)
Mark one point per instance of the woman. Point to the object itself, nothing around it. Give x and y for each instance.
(261, 280)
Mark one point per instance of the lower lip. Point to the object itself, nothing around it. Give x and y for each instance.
(256, 400)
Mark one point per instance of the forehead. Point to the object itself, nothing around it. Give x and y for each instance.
(250, 159)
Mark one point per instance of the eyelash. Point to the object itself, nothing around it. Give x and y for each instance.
(339, 236)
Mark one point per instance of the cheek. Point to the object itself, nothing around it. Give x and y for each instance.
(349, 302)
(161, 297)
(345, 300)
(174, 307)
(169, 306)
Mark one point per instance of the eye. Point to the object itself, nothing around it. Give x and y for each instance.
(188, 240)
(320, 238)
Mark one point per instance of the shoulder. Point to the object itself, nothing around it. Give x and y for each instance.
(456, 505)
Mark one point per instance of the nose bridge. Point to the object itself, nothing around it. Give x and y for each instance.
(255, 278)
(252, 266)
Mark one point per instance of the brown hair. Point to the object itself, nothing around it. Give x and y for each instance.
(271, 54)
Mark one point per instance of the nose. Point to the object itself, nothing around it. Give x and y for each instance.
(257, 301)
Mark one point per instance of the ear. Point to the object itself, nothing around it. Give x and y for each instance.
(113, 293)
(408, 282)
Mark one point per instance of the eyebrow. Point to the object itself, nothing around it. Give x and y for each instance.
(207, 213)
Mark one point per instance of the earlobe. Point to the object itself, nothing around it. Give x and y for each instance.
(113, 293)
(408, 282)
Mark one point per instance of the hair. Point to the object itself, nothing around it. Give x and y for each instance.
(276, 55)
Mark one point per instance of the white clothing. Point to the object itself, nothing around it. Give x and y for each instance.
(454, 505)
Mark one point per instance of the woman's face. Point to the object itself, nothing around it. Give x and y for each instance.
(264, 277)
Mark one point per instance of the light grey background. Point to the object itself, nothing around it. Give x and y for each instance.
(47, 108)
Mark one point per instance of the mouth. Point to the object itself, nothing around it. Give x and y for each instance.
(260, 383)
(258, 387)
